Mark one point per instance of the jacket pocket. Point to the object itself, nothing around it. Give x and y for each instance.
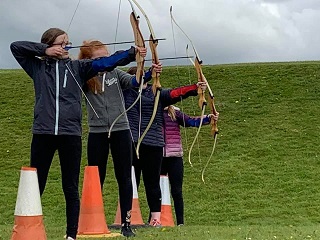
(123, 118)
(94, 121)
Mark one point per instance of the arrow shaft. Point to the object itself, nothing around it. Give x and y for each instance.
(107, 44)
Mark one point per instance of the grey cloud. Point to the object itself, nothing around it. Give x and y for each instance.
(223, 31)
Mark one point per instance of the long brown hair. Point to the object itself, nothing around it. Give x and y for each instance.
(132, 70)
(86, 52)
(49, 36)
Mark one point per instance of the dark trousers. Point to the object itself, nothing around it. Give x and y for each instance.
(173, 166)
(149, 164)
(121, 151)
(69, 148)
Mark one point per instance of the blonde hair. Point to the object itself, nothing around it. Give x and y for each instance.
(172, 112)
(86, 52)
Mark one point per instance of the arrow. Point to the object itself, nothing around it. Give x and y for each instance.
(68, 47)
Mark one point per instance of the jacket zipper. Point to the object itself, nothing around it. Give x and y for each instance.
(65, 78)
(103, 81)
(56, 126)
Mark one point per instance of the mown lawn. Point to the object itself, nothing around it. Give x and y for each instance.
(263, 180)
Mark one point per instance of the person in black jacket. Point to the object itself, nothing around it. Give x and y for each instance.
(57, 112)
(105, 94)
(151, 148)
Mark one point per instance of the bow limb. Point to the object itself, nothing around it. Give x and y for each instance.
(153, 43)
(155, 59)
(197, 134)
(207, 163)
(213, 121)
(154, 112)
(202, 104)
(156, 90)
(202, 78)
(214, 132)
(139, 41)
(202, 101)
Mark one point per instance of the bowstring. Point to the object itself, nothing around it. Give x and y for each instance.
(203, 107)
(140, 115)
(117, 25)
(124, 108)
(192, 100)
(192, 103)
(207, 163)
(179, 82)
(141, 83)
(74, 13)
(118, 85)
(69, 69)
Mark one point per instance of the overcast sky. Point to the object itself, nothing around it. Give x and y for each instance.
(223, 31)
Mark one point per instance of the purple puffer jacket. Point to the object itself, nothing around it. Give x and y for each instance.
(173, 147)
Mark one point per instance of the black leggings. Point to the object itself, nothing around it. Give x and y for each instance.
(121, 151)
(149, 163)
(173, 166)
(43, 147)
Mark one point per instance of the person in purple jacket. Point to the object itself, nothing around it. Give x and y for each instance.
(151, 148)
(58, 83)
(172, 162)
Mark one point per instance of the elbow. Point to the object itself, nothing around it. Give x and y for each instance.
(13, 47)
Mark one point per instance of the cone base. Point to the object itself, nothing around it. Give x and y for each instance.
(118, 226)
(99, 235)
(28, 228)
(166, 216)
(136, 217)
(92, 220)
(92, 224)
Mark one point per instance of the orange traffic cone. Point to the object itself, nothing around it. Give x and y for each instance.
(28, 219)
(136, 217)
(166, 210)
(92, 221)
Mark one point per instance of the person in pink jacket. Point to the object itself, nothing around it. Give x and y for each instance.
(172, 162)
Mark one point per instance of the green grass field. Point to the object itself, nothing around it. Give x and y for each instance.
(262, 183)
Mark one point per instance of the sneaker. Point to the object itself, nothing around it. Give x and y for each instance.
(155, 223)
(126, 230)
(70, 238)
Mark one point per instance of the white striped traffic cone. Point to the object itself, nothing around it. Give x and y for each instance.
(166, 210)
(136, 217)
(28, 219)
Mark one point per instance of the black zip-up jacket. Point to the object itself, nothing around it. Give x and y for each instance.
(58, 83)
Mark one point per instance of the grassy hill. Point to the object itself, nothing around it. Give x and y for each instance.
(262, 183)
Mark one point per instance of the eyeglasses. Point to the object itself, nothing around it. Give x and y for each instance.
(65, 45)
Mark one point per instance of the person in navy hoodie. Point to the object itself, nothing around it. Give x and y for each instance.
(172, 162)
(151, 148)
(58, 82)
